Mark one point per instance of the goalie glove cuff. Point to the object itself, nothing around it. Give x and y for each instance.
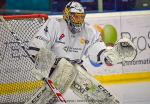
(111, 57)
(95, 52)
(107, 62)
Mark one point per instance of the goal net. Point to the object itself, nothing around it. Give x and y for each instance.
(17, 83)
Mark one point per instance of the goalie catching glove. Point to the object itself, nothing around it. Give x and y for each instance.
(123, 50)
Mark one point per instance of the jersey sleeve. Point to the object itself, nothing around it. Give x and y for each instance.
(96, 48)
(44, 38)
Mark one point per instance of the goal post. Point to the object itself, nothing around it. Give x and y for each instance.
(29, 16)
(17, 83)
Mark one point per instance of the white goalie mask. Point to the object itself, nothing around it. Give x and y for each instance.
(74, 16)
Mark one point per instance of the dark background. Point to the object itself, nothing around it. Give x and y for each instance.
(57, 6)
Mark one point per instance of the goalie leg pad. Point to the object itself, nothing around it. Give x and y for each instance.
(42, 96)
(63, 75)
(88, 88)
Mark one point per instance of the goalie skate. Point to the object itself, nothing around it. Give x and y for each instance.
(91, 90)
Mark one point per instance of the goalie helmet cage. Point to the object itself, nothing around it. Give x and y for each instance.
(17, 83)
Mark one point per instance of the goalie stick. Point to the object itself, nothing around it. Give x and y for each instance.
(42, 91)
(55, 90)
(47, 81)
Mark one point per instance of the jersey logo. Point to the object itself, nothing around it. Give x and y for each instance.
(72, 49)
(83, 41)
(60, 38)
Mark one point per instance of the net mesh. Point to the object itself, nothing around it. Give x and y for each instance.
(17, 83)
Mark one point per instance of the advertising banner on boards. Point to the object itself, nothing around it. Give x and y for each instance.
(135, 26)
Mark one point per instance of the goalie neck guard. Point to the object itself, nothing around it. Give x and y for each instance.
(74, 15)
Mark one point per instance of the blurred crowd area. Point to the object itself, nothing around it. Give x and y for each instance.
(9, 7)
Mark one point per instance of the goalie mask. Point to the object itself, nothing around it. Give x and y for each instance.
(74, 16)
